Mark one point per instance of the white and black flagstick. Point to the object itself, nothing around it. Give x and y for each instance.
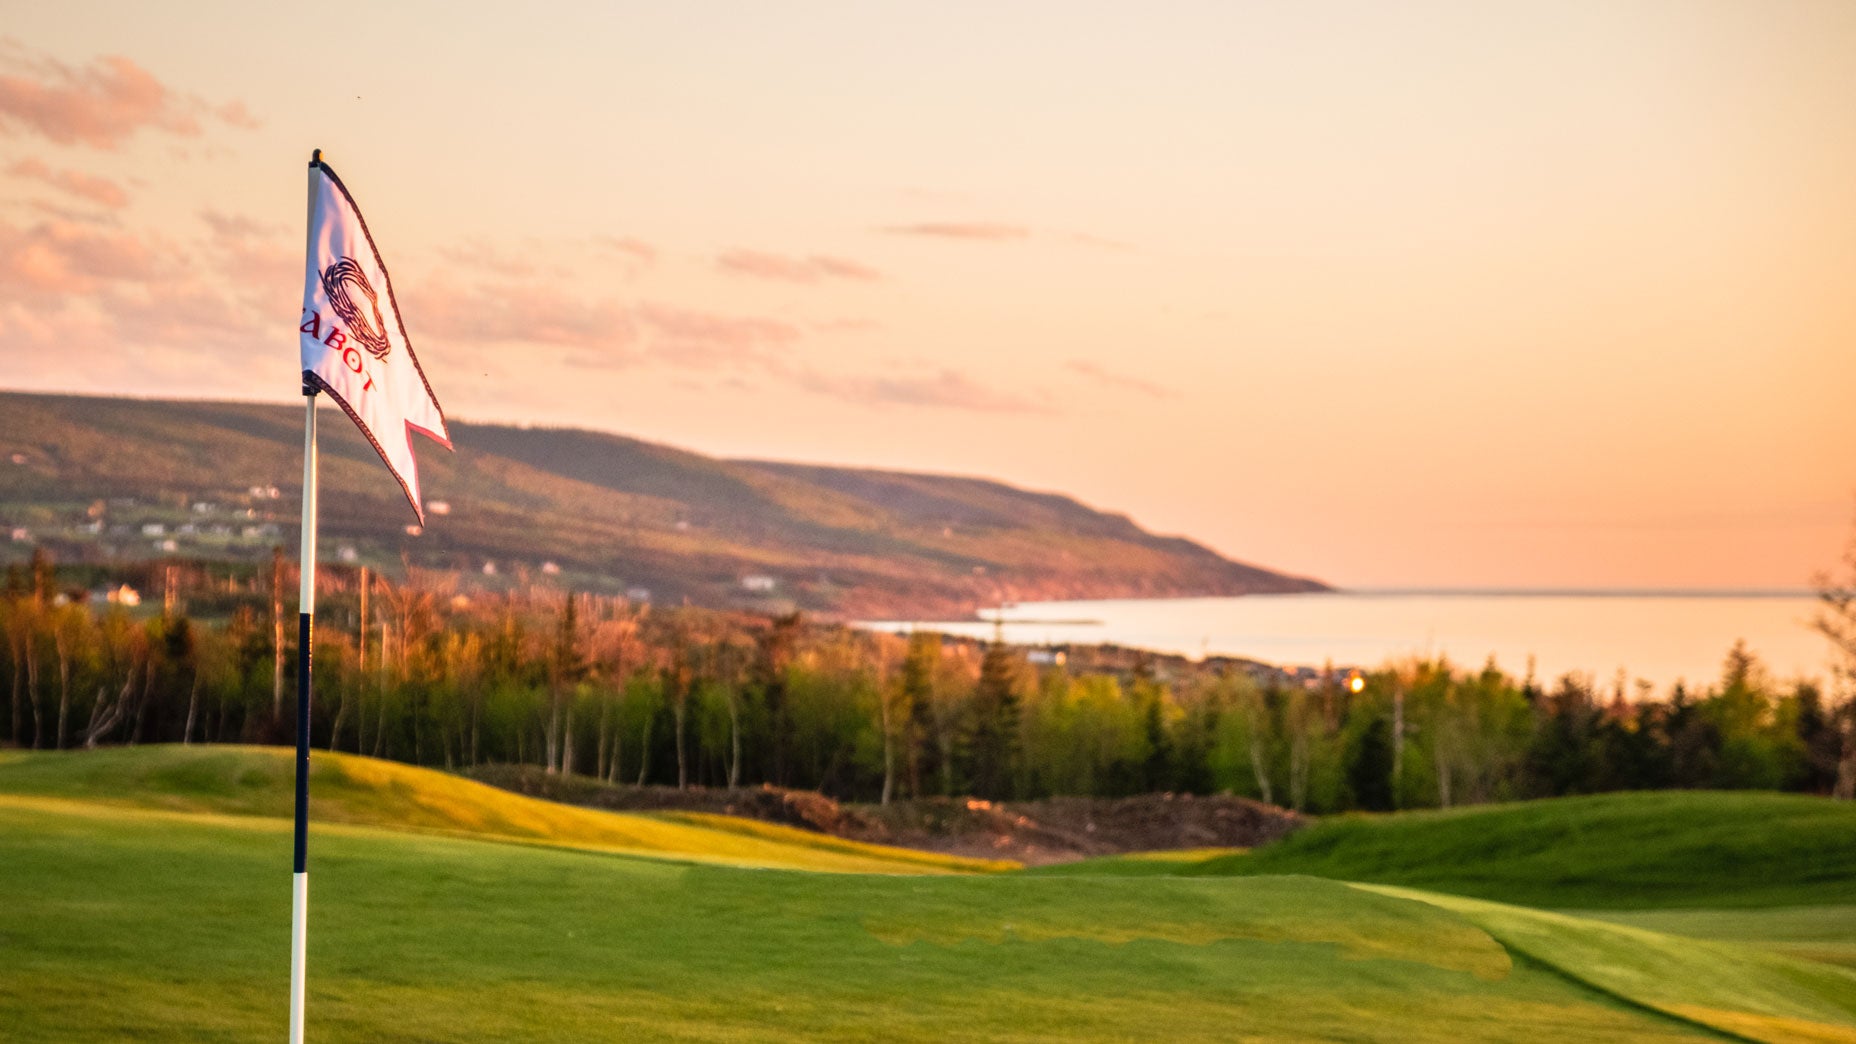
(306, 601)
(306, 612)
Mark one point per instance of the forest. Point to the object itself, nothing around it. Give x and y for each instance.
(417, 670)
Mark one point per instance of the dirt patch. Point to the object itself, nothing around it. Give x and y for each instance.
(1054, 830)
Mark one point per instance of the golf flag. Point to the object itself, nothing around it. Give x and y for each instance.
(354, 345)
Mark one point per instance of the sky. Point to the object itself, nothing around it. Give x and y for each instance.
(1528, 294)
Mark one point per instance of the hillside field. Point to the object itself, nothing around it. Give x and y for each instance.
(144, 894)
(110, 480)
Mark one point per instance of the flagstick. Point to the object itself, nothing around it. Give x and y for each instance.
(306, 603)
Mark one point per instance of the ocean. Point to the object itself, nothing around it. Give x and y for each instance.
(1658, 636)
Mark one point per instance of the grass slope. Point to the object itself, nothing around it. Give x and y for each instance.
(1614, 851)
(1760, 996)
(143, 895)
(259, 781)
(123, 923)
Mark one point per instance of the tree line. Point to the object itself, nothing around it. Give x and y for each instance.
(418, 671)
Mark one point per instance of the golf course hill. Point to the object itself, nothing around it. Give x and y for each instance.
(347, 790)
(1663, 849)
(106, 479)
(147, 897)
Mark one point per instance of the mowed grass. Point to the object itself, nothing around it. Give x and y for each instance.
(145, 895)
(260, 781)
(1663, 850)
(121, 923)
(1816, 933)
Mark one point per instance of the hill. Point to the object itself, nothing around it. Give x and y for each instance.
(109, 478)
(1671, 849)
(130, 922)
(358, 791)
(1031, 832)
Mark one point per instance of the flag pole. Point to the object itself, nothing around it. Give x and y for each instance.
(306, 611)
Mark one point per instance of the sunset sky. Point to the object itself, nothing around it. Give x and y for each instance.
(1445, 294)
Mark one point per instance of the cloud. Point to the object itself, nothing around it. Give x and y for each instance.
(691, 337)
(1118, 380)
(601, 333)
(258, 260)
(1098, 242)
(58, 259)
(79, 299)
(832, 326)
(481, 255)
(944, 390)
(99, 190)
(794, 269)
(635, 250)
(514, 313)
(235, 114)
(985, 231)
(99, 105)
(238, 226)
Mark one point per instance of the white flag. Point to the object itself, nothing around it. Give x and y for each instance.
(354, 345)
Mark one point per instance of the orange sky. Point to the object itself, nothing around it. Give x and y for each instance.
(1447, 294)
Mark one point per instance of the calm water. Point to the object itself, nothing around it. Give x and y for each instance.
(1660, 637)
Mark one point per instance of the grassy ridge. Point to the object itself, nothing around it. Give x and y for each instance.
(1613, 851)
(259, 781)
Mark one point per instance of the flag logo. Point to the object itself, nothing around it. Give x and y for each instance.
(337, 281)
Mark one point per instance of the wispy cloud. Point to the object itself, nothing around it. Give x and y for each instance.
(982, 231)
(1120, 380)
(784, 268)
(99, 105)
(635, 250)
(99, 190)
(482, 256)
(834, 326)
(509, 313)
(945, 389)
(694, 337)
(235, 114)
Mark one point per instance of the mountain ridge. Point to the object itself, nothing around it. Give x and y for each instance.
(98, 478)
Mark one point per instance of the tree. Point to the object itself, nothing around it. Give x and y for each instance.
(1836, 620)
(993, 746)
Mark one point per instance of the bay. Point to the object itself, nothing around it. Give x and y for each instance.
(1659, 636)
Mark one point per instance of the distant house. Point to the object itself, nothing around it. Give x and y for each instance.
(438, 507)
(153, 529)
(759, 583)
(22, 535)
(550, 569)
(638, 594)
(347, 553)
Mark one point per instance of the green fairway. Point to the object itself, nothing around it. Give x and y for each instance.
(1615, 851)
(163, 915)
(1818, 933)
